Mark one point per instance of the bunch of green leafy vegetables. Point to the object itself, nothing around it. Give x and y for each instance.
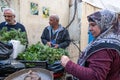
(40, 52)
(13, 34)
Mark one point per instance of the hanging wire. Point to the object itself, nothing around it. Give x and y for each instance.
(75, 10)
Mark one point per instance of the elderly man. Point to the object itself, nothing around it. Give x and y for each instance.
(55, 35)
(10, 21)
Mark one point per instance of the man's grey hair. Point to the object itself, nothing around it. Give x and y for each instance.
(55, 16)
(9, 9)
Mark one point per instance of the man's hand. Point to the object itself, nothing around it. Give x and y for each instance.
(49, 44)
(56, 46)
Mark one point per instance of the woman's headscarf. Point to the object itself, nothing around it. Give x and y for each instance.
(109, 36)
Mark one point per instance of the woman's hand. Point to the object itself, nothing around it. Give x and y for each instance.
(64, 60)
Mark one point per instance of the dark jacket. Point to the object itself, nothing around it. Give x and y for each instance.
(62, 37)
(16, 26)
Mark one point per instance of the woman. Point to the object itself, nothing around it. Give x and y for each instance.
(101, 58)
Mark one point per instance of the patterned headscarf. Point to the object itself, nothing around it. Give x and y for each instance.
(110, 33)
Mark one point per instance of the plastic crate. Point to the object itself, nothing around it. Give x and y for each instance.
(33, 64)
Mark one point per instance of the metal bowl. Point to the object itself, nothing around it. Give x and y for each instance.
(20, 75)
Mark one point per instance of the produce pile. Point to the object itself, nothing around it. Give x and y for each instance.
(40, 52)
(13, 34)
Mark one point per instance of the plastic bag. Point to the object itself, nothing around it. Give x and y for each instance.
(17, 48)
(56, 67)
(6, 50)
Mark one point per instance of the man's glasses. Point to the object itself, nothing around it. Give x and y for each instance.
(7, 16)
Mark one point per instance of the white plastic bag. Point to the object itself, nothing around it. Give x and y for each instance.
(17, 48)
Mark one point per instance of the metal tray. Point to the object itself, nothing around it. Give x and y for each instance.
(20, 75)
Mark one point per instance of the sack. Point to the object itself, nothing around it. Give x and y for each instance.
(6, 50)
